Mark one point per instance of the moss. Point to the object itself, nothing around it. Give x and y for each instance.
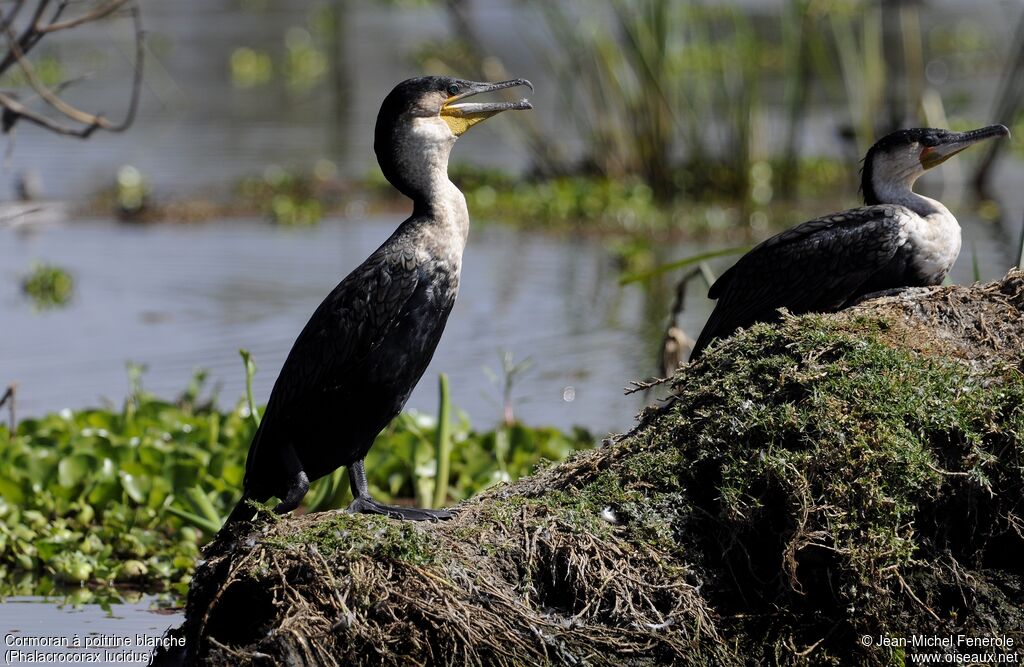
(804, 485)
(350, 537)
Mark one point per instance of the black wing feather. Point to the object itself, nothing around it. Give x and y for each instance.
(336, 341)
(816, 266)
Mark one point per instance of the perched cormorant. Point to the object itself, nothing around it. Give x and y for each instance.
(898, 239)
(354, 365)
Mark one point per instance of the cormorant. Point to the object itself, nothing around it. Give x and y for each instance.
(355, 363)
(897, 239)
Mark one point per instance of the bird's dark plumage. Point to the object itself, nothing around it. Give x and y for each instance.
(354, 365)
(900, 239)
(352, 368)
(819, 265)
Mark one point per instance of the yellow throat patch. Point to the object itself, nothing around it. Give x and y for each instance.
(459, 122)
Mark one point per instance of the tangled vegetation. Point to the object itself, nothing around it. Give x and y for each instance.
(804, 485)
(115, 499)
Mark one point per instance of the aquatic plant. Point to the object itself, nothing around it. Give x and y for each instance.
(48, 285)
(250, 67)
(290, 197)
(302, 64)
(109, 498)
(131, 192)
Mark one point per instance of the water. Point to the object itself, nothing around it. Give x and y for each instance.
(179, 298)
(128, 628)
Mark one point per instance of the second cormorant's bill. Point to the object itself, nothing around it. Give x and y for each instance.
(354, 365)
(898, 239)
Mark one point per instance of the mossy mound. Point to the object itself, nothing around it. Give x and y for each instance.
(806, 485)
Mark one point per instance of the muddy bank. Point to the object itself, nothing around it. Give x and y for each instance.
(807, 485)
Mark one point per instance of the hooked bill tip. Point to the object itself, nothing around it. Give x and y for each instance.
(997, 130)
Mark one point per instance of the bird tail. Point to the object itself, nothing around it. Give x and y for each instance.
(242, 511)
(708, 334)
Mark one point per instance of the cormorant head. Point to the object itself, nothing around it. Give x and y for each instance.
(898, 159)
(421, 118)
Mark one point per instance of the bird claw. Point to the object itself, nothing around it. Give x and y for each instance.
(363, 505)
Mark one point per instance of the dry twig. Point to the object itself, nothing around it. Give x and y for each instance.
(69, 120)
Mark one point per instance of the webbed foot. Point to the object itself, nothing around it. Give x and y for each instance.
(367, 505)
(895, 291)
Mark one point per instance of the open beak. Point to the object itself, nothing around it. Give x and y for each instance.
(936, 155)
(461, 116)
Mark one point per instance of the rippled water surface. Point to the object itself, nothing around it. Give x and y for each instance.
(179, 298)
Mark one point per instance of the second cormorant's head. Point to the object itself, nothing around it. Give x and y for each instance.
(420, 120)
(898, 159)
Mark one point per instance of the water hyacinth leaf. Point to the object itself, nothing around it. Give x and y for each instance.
(232, 474)
(135, 487)
(107, 470)
(11, 491)
(150, 456)
(216, 465)
(159, 492)
(73, 469)
(186, 473)
(104, 493)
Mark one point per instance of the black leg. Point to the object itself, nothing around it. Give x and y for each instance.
(362, 503)
(298, 483)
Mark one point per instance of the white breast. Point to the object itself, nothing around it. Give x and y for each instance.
(935, 239)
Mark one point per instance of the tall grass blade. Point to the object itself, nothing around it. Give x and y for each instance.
(443, 445)
(1020, 250)
(250, 371)
(199, 522)
(975, 267)
(682, 263)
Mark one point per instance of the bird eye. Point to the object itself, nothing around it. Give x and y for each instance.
(453, 89)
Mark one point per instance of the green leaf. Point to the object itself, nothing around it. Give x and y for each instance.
(206, 525)
(73, 469)
(11, 492)
(134, 487)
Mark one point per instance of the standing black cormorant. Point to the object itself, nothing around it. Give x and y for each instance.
(898, 239)
(354, 365)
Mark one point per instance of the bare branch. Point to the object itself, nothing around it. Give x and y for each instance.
(28, 36)
(15, 109)
(8, 19)
(100, 12)
(9, 395)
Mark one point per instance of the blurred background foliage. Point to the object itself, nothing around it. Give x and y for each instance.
(683, 110)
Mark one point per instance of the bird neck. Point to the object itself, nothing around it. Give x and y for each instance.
(902, 194)
(888, 182)
(416, 163)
